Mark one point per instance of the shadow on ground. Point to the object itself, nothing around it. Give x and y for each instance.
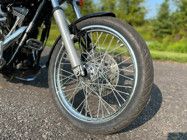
(150, 110)
(41, 81)
(177, 136)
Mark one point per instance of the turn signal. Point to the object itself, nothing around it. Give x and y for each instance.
(80, 3)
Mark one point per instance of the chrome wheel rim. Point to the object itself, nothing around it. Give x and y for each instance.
(111, 81)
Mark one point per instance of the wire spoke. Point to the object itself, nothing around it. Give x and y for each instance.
(127, 77)
(106, 88)
(74, 93)
(112, 85)
(101, 98)
(85, 101)
(67, 77)
(113, 89)
(67, 72)
(99, 37)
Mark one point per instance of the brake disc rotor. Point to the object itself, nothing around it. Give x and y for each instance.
(102, 72)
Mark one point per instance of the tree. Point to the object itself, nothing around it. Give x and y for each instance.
(163, 24)
(180, 16)
(132, 11)
(88, 8)
(108, 5)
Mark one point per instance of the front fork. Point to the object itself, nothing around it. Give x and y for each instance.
(67, 40)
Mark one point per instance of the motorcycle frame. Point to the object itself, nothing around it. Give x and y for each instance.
(58, 13)
(64, 28)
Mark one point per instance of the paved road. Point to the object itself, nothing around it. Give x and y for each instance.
(27, 110)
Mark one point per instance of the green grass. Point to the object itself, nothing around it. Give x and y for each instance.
(166, 50)
(54, 33)
(169, 46)
(169, 56)
(171, 51)
(145, 31)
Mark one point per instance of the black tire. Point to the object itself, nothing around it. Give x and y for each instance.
(144, 80)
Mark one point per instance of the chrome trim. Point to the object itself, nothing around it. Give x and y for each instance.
(19, 18)
(32, 78)
(10, 39)
(60, 90)
(55, 3)
(66, 37)
(76, 9)
(65, 33)
(13, 37)
(3, 19)
(14, 27)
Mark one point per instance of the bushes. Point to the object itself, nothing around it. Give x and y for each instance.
(169, 46)
(180, 46)
(178, 57)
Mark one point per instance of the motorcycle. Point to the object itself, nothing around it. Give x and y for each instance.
(99, 69)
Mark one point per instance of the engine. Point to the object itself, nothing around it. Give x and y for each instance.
(13, 18)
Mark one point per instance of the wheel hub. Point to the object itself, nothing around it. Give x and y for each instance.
(102, 72)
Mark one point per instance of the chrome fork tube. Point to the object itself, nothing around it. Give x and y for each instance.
(67, 40)
(76, 9)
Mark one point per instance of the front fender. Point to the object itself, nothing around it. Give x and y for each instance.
(99, 14)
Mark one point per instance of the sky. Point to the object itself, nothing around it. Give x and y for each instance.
(152, 7)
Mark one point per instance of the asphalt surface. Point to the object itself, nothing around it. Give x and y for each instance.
(27, 110)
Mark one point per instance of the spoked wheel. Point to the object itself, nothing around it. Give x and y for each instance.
(119, 76)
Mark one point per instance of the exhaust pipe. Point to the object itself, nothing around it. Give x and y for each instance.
(3, 19)
(13, 37)
(8, 41)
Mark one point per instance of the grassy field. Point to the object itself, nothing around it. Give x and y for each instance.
(169, 56)
(165, 50)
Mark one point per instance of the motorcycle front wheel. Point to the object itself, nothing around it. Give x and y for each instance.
(118, 81)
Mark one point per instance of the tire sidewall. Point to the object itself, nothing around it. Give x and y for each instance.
(138, 100)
